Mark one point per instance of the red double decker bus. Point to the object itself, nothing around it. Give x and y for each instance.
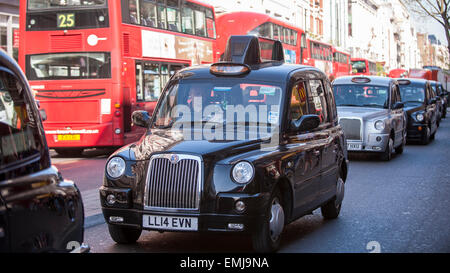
(319, 55)
(341, 64)
(362, 66)
(92, 63)
(264, 26)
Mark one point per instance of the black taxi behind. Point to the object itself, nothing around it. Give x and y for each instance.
(237, 146)
(420, 106)
(39, 210)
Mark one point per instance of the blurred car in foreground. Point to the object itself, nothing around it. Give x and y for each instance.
(39, 210)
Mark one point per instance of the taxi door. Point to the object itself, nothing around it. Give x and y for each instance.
(304, 154)
(398, 120)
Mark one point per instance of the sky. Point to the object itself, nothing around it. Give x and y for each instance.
(430, 26)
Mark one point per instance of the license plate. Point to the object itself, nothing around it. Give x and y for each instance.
(354, 147)
(69, 137)
(169, 222)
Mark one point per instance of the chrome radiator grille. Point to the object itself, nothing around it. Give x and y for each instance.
(173, 182)
(351, 128)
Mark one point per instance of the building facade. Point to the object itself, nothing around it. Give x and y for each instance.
(336, 23)
(9, 26)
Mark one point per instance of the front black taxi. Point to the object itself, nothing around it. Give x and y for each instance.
(237, 146)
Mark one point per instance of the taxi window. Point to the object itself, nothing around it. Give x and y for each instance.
(19, 134)
(298, 106)
(317, 101)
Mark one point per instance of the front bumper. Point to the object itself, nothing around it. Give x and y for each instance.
(416, 131)
(372, 143)
(208, 221)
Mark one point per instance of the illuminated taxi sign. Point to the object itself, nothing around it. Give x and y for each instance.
(65, 20)
(360, 80)
(229, 69)
(404, 82)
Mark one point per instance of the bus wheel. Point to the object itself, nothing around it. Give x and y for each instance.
(69, 152)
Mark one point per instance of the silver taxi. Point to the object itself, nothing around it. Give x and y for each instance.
(371, 114)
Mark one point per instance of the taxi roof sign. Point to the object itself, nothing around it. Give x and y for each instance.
(245, 49)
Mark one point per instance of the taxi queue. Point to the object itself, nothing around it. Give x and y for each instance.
(229, 185)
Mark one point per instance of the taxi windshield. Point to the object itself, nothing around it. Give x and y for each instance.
(226, 105)
(361, 95)
(413, 93)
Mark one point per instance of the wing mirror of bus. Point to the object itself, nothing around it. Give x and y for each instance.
(398, 105)
(305, 123)
(141, 118)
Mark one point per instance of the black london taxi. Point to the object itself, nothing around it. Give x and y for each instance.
(242, 145)
(39, 210)
(371, 114)
(440, 97)
(420, 106)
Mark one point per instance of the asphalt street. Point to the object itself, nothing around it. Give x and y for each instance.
(397, 206)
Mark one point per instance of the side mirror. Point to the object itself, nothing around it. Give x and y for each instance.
(398, 105)
(305, 123)
(141, 118)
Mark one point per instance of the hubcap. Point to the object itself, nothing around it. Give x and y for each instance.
(340, 190)
(276, 223)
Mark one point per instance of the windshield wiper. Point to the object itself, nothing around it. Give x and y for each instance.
(373, 105)
(349, 105)
(412, 101)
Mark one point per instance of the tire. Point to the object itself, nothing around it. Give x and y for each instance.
(69, 152)
(426, 136)
(124, 235)
(268, 237)
(433, 136)
(333, 207)
(387, 154)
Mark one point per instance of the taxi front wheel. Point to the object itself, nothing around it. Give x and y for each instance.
(124, 235)
(268, 237)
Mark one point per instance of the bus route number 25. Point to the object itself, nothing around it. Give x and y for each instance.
(66, 20)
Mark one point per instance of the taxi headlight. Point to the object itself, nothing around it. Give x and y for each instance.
(379, 125)
(243, 172)
(419, 117)
(115, 167)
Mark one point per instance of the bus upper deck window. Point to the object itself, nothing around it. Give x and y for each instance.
(187, 19)
(162, 16)
(148, 14)
(173, 15)
(200, 23)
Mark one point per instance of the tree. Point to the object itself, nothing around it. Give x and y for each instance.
(437, 9)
